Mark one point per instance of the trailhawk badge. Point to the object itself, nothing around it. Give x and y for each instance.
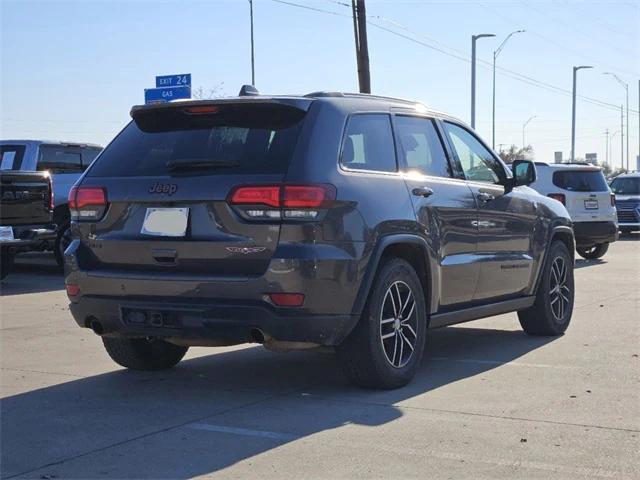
(246, 250)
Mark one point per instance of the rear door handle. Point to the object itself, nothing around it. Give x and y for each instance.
(485, 197)
(422, 192)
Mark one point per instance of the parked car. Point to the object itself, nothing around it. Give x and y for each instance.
(65, 161)
(583, 190)
(25, 215)
(626, 188)
(345, 220)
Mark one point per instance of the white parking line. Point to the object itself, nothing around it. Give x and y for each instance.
(496, 362)
(243, 431)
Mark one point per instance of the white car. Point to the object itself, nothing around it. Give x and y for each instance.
(583, 190)
(626, 188)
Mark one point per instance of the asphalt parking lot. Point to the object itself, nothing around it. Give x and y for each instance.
(488, 402)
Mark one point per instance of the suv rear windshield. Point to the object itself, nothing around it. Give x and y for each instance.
(580, 180)
(626, 186)
(215, 139)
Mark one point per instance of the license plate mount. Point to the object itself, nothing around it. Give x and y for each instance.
(165, 222)
(591, 204)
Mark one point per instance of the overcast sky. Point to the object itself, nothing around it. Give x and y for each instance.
(72, 70)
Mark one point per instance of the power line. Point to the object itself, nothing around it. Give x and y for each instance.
(452, 52)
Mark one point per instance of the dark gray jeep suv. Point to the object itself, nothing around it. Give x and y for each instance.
(343, 220)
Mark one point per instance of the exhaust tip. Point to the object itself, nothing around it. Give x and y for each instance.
(96, 326)
(257, 336)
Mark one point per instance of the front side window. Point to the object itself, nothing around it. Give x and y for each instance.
(477, 162)
(59, 159)
(420, 146)
(368, 144)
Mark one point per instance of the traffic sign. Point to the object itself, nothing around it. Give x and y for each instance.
(174, 80)
(166, 94)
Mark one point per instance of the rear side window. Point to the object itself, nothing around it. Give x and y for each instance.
(89, 154)
(368, 144)
(11, 156)
(222, 139)
(420, 147)
(580, 180)
(59, 159)
(626, 186)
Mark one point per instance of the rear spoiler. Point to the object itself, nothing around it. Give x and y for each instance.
(293, 102)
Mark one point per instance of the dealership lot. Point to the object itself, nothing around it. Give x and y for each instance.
(488, 402)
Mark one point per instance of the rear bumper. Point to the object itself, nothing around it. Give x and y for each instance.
(29, 237)
(588, 234)
(196, 323)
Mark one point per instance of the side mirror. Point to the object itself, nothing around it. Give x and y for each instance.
(524, 172)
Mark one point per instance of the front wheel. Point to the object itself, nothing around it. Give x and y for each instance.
(385, 348)
(143, 353)
(551, 312)
(591, 253)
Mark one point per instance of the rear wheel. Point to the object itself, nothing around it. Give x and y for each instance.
(551, 312)
(386, 346)
(143, 353)
(591, 253)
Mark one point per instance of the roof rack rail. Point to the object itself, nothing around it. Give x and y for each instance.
(324, 94)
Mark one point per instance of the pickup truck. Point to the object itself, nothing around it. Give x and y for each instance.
(65, 161)
(26, 209)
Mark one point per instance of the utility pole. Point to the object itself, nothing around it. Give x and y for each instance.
(474, 38)
(524, 125)
(625, 85)
(362, 46)
(573, 113)
(253, 69)
(622, 137)
(606, 151)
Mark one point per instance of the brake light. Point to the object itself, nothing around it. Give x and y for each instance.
(72, 290)
(256, 195)
(293, 202)
(202, 109)
(559, 197)
(613, 200)
(51, 203)
(87, 203)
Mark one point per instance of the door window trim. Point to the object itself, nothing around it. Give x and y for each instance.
(344, 168)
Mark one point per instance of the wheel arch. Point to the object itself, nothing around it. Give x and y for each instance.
(411, 248)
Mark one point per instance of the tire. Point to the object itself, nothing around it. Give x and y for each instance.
(591, 253)
(6, 264)
(63, 239)
(551, 312)
(384, 351)
(143, 354)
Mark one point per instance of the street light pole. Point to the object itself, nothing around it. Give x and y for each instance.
(474, 38)
(524, 125)
(493, 116)
(626, 88)
(606, 150)
(573, 112)
(622, 136)
(253, 69)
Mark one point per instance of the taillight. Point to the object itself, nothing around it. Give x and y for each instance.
(287, 299)
(87, 203)
(558, 196)
(51, 203)
(291, 202)
(613, 200)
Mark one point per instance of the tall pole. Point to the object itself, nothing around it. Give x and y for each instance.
(474, 38)
(621, 136)
(362, 46)
(606, 150)
(626, 88)
(493, 116)
(573, 113)
(524, 125)
(253, 68)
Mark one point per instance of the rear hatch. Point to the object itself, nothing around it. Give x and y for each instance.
(587, 196)
(166, 179)
(25, 198)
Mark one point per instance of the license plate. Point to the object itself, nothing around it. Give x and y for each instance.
(165, 222)
(6, 234)
(591, 204)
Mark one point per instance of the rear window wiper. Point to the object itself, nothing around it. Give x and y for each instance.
(193, 164)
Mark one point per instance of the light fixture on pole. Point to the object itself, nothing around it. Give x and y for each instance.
(474, 38)
(524, 125)
(493, 116)
(626, 87)
(573, 112)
